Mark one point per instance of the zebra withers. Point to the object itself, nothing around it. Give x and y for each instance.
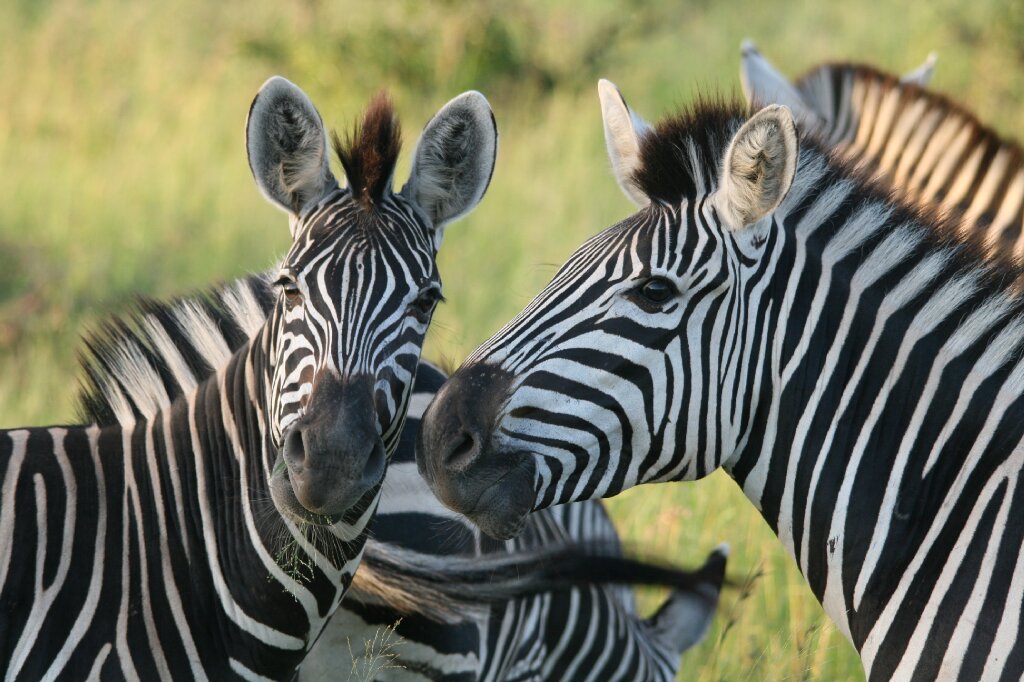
(214, 538)
(932, 150)
(572, 633)
(852, 361)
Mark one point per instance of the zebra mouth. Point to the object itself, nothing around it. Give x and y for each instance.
(502, 506)
(288, 504)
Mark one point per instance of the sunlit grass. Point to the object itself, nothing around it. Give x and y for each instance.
(122, 172)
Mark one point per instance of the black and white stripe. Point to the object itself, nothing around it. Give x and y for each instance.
(185, 520)
(153, 550)
(855, 364)
(188, 524)
(932, 150)
(219, 541)
(577, 633)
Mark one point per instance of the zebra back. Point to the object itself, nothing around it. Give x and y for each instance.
(932, 149)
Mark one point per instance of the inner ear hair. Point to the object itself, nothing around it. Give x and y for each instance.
(287, 147)
(454, 160)
(759, 166)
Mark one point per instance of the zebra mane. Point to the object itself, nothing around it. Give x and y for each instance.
(681, 158)
(981, 134)
(136, 363)
(369, 153)
(681, 155)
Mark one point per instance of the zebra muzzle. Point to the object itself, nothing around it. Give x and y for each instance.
(334, 453)
(460, 461)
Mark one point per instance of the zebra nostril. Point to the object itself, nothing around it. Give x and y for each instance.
(462, 452)
(374, 468)
(294, 450)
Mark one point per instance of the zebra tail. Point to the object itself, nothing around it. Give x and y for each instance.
(682, 621)
(450, 589)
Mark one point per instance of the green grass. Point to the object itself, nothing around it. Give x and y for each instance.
(122, 172)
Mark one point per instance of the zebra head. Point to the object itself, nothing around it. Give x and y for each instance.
(631, 366)
(358, 286)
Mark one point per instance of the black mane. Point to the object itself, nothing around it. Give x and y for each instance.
(681, 157)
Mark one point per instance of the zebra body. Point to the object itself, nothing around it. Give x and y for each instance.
(932, 150)
(854, 363)
(121, 553)
(223, 529)
(578, 633)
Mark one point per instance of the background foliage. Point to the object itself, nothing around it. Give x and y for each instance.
(122, 172)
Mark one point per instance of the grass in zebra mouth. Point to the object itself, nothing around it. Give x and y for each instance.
(294, 561)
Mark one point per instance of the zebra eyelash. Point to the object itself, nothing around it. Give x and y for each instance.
(653, 294)
(426, 302)
(288, 284)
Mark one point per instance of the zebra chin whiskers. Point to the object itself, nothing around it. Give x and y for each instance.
(305, 547)
(448, 528)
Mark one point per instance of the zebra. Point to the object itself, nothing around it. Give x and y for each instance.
(215, 538)
(933, 150)
(853, 361)
(565, 634)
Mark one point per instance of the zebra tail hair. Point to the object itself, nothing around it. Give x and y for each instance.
(450, 589)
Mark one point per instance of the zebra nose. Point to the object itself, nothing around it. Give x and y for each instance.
(334, 453)
(458, 426)
(294, 449)
(300, 453)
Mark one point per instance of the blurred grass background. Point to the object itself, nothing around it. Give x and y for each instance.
(123, 171)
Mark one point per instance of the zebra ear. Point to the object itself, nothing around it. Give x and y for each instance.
(287, 146)
(922, 75)
(763, 84)
(622, 132)
(759, 167)
(454, 160)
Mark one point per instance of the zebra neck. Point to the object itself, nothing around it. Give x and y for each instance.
(159, 544)
(892, 401)
(285, 580)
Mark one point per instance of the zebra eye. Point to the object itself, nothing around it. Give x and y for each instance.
(658, 290)
(289, 287)
(423, 305)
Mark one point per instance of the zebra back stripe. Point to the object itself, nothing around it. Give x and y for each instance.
(933, 150)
